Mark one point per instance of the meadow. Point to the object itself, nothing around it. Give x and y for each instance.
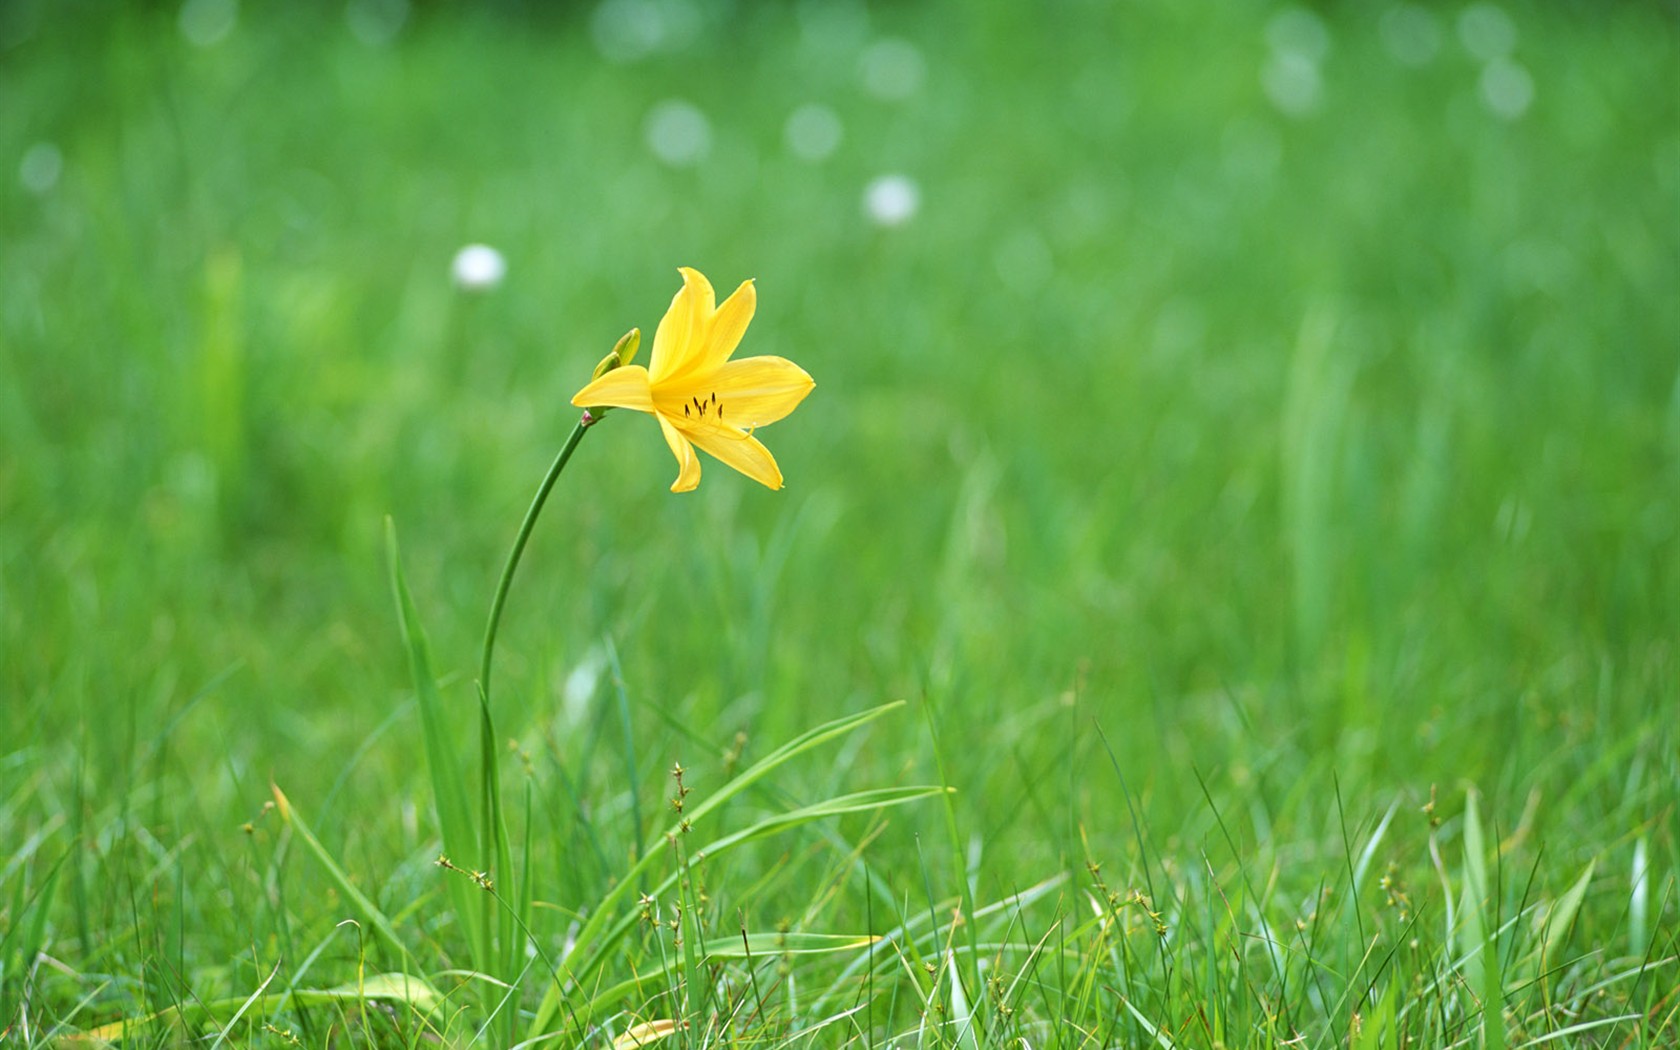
(1225, 593)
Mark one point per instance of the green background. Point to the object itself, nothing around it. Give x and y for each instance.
(1250, 408)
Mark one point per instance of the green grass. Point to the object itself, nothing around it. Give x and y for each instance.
(1271, 524)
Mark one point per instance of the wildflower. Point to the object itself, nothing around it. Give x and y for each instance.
(892, 200)
(478, 268)
(697, 394)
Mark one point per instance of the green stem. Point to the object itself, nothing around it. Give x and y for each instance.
(496, 852)
(495, 838)
(519, 548)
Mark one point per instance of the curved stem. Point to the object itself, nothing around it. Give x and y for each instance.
(519, 549)
(494, 841)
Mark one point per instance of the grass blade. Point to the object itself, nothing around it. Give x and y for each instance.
(383, 987)
(244, 1008)
(603, 938)
(1563, 916)
(449, 787)
(368, 911)
(609, 904)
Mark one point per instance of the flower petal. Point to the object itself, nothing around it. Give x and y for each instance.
(688, 464)
(727, 327)
(736, 449)
(757, 391)
(681, 332)
(625, 387)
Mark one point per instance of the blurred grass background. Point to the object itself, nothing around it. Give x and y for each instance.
(1288, 392)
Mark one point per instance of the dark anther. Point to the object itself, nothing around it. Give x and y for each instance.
(685, 410)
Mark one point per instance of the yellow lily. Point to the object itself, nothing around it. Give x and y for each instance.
(699, 396)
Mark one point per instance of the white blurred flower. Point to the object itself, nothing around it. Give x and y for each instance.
(478, 268)
(206, 23)
(42, 164)
(813, 132)
(578, 688)
(892, 200)
(892, 69)
(678, 133)
(1506, 88)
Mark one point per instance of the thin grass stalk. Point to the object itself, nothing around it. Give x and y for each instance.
(959, 864)
(584, 945)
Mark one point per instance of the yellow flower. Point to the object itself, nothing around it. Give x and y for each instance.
(699, 396)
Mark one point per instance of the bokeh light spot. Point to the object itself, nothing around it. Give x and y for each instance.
(1507, 89)
(376, 22)
(625, 30)
(478, 268)
(1293, 83)
(42, 164)
(892, 69)
(892, 200)
(206, 23)
(1412, 34)
(833, 25)
(678, 133)
(1299, 42)
(813, 132)
(1486, 31)
(1298, 31)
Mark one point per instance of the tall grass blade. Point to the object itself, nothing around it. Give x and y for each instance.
(596, 928)
(759, 945)
(1471, 935)
(365, 908)
(1639, 897)
(959, 867)
(1563, 916)
(1160, 1035)
(859, 802)
(962, 1018)
(26, 937)
(221, 1037)
(449, 788)
(1320, 381)
(1479, 945)
(729, 949)
(1379, 1031)
(918, 927)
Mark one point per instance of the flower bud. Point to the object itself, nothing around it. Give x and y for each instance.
(627, 346)
(622, 353)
